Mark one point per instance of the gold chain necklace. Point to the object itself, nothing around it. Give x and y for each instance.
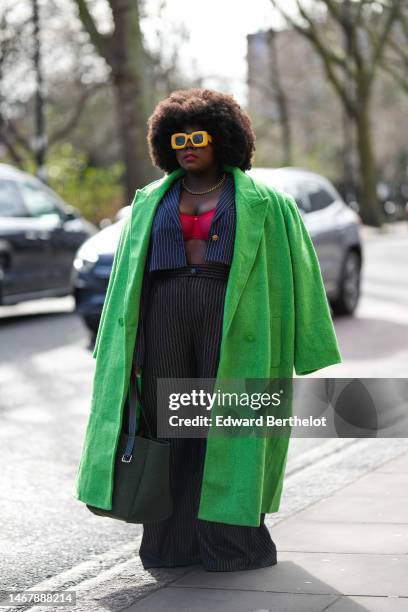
(203, 192)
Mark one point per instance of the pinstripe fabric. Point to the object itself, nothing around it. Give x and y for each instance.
(166, 247)
(167, 236)
(183, 334)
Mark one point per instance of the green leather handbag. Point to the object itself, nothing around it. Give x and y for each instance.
(141, 486)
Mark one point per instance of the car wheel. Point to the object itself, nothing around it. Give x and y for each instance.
(349, 292)
(92, 323)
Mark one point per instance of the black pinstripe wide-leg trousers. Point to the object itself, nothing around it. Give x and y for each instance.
(182, 340)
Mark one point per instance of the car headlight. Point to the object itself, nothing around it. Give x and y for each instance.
(85, 259)
(84, 265)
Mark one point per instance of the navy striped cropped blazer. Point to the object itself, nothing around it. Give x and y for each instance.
(166, 247)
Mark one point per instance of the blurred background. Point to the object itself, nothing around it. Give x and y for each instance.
(325, 84)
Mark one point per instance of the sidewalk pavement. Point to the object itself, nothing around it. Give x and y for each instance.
(345, 553)
(398, 228)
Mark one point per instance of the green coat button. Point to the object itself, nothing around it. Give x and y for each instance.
(249, 337)
(120, 321)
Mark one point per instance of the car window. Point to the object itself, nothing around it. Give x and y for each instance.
(11, 203)
(38, 201)
(319, 197)
(300, 195)
(302, 201)
(290, 185)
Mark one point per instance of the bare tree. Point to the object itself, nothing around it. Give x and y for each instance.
(20, 54)
(352, 75)
(123, 51)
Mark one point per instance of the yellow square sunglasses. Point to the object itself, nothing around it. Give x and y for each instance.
(200, 138)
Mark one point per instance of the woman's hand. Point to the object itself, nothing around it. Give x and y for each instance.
(137, 372)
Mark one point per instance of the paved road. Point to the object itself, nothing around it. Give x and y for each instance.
(374, 343)
(46, 371)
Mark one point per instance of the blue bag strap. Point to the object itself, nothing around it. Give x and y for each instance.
(134, 397)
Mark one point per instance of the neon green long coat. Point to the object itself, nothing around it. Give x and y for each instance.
(276, 318)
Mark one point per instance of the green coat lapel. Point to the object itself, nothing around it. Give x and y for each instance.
(251, 208)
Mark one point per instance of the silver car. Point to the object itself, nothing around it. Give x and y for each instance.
(333, 227)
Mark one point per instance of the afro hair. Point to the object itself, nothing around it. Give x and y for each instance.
(216, 112)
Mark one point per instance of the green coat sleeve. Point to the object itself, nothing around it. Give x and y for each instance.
(316, 344)
(117, 258)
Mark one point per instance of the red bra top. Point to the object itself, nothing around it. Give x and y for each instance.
(196, 226)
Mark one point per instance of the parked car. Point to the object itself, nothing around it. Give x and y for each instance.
(39, 236)
(332, 224)
(334, 228)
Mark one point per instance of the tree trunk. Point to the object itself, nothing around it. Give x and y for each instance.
(282, 102)
(133, 89)
(40, 141)
(371, 213)
(132, 126)
(287, 158)
(123, 50)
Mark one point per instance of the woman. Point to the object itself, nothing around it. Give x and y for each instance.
(220, 278)
(180, 326)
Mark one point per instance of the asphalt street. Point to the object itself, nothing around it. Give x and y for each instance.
(46, 369)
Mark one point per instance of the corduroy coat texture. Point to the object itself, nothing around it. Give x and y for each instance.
(276, 318)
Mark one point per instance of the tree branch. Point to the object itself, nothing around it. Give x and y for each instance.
(334, 11)
(100, 41)
(326, 55)
(73, 121)
(4, 137)
(382, 40)
(314, 37)
(400, 80)
(10, 137)
(12, 129)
